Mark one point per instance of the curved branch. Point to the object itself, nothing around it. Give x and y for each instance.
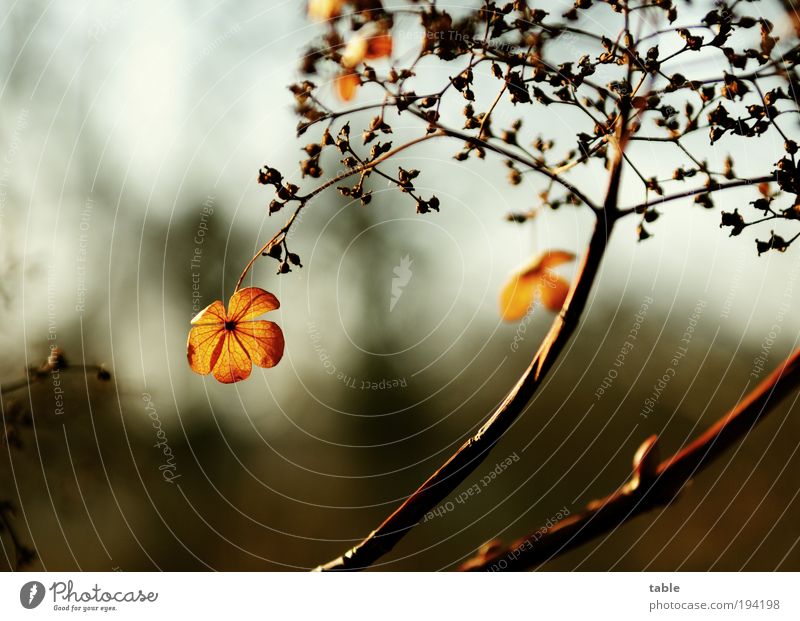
(456, 469)
(652, 484)
(472, 453)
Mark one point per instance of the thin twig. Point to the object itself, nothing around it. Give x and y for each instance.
(37, 374)
(362, 168)
(534, 165)
(641, 207)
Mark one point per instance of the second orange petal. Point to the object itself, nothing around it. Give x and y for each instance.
(346, 85)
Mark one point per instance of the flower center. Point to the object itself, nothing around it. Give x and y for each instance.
(230, 325)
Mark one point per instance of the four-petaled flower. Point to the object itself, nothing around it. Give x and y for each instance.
(227, 343)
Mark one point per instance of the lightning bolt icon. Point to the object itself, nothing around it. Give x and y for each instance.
(32, 594)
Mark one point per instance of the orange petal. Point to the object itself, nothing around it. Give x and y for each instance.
(211, 314)
(262, 340)
(379, 46)
(250, 303)
(346, 85)
(553, 291)
(517, 297)
(548, 259)
(554, 258)
(233, 364)
(534, 279)
(204, 346)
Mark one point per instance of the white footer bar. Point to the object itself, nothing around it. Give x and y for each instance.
(399, 596)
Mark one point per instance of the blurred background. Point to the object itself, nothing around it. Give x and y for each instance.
(130, 139)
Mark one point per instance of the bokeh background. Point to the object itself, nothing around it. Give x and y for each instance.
(131, 134)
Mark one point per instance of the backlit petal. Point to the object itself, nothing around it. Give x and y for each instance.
(554, 258)
(346, 85)
(233, 364)
(553, 291)
(262, 340)
(213, 313)
(545, 260)
(250, 303)
(379, 46)
(517, 297)
(204, 346)
(532, 279)
(355, 51)
(324, 9)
